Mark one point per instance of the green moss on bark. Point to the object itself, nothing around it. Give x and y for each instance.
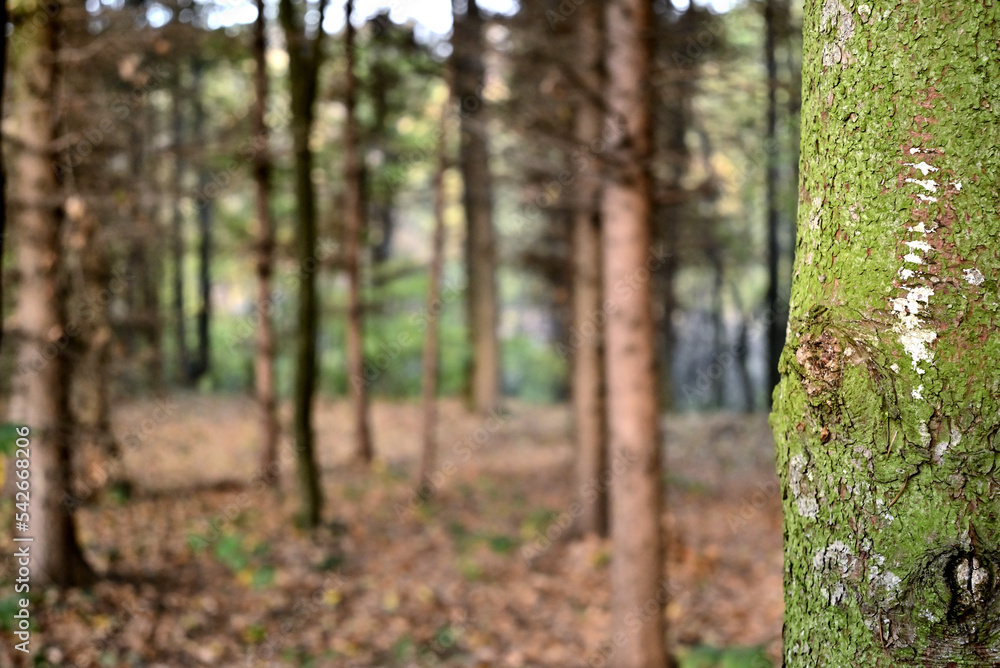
(887, 414)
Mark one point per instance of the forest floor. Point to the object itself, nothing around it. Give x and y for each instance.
(205, 569)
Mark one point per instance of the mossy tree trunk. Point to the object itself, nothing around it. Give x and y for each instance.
(886, 415)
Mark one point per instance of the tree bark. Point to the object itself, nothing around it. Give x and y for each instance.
(41, 392)
(177, 230)
(203, 203)
(630, 363)
(3, 171)
(480, 245)
(429, 382)
(886, 415)
(267, 402)
(588, 369)
(304, 55)
(776, 323)
(354, 221)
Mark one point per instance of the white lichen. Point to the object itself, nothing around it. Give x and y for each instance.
(805, 503)
(973, 276)
(919, 245)
(913, 258)
(958, 185)
(939, 451)
(894, 367)
(924, 168)
(837, 557)
(925, 434)
(929, 184)
(906, 274)
(926, 198)
(917, 393)
(912, 334)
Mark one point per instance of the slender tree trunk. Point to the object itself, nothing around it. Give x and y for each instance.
(3, 171)
(434, 306)
(354, 218)
(742, 352)
(588, 362)
(177, 230)
(204, 205)
(630, 363)
(264, 361)
(41, 393)
(776, 326)
(718, 330)
(480, 245)
(886, 417)
(304, 57)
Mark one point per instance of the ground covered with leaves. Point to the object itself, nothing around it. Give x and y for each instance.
(203, 567)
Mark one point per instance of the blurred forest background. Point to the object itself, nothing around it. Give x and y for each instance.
(380, 180)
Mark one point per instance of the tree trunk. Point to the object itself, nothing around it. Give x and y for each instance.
(630, 364)
(177, 231)
(97, 450)
(204, 205)
(354, 219)
(3, 171)
(480, 246)
(718, 327)
(303, 63)
(264, 361)
(776, 323)
(434, 305)
(886, 416)
(41, 394)
(588, 370)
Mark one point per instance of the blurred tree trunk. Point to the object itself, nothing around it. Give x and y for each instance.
(304, 55)
(88, 264)
(3, 171)
(177, 227)
(742, 353)
(480, 245)
(434, 305)
(41, 393)
(718, 326)
(382, 205)
(264, 362)
(776, 324)
(630, 362)
(144, 247)
(588, 370)
(354, 216)
(886, 416)
(203, 202)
